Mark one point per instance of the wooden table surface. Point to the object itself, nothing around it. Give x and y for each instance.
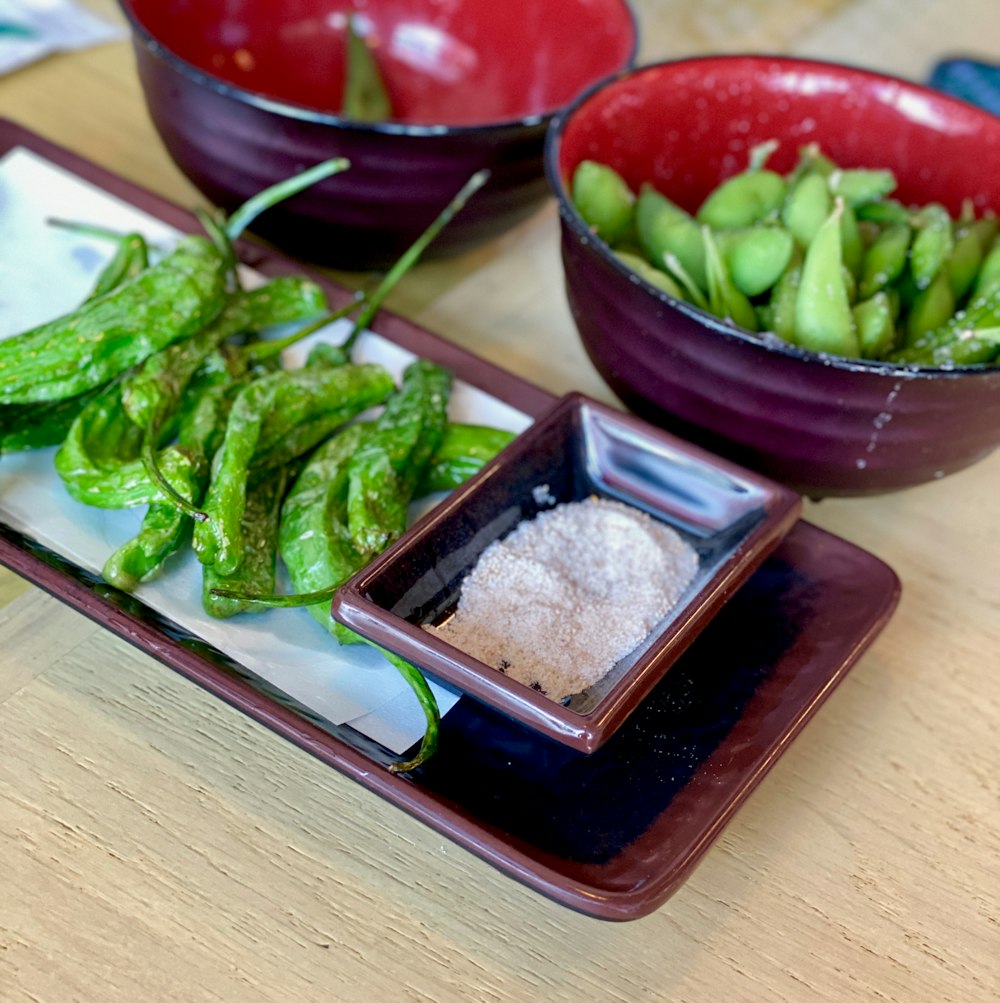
(157, 845)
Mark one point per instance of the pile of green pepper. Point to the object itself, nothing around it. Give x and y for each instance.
(165, 389)
(823, 256)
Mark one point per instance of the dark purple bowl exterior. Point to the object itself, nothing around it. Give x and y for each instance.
(822, 429)
(365, 217)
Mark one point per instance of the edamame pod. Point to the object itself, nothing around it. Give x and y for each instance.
(663, 228)
(603, 199)
(930, 308)
(885, 259)
(724, 299)
(823, 318)
(884, 212)
(858, 185)
(745, 198)
(654, 276)
(851, 244)
(757, 257)
(783, 299)
(807, 207)
(989, 273)
(932, 243)
(962, 265)
(873, 319)
(955, 342)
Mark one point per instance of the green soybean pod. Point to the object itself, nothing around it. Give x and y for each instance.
(807, 207)
(603, 199)
(875, 325)
(885, 259)
(858, 185)
(957, 341)
(962, 265)
(930, 308)
(932, 243)
(724, 299)
(883, 212)
(757, 257)
(812, 158)
(851, 243)
(654, 276)
(782, 301)
(663, 228)
(989, 272)
(823, 318)
(745, 198)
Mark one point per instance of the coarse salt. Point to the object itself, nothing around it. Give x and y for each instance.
(568, 594)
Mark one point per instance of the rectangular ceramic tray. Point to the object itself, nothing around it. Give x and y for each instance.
(729, 517)
(612, 834)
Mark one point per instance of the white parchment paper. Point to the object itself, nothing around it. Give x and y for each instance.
(46, 271)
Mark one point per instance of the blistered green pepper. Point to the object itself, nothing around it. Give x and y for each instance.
(166, 302)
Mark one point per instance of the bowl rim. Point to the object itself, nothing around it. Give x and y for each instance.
(304, 113)
(574, 222)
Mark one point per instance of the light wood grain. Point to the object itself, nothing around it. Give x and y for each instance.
(157, 845)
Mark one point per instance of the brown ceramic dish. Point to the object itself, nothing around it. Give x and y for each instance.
(613, 834)
(246, 94)
(731, 517)
(824, 425)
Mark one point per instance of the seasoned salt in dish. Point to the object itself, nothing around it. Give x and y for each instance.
(563, 598)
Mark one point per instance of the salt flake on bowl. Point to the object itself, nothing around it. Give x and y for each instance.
(568, 594)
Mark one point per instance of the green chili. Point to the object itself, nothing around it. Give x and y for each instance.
(384, 471)
(462, 451)
(366, 98)
(166, 302)
(267, 410)
(259, 529)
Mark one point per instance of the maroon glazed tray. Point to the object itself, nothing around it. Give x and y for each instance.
(612, 834)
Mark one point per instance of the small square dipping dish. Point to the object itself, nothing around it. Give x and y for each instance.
(732, 517)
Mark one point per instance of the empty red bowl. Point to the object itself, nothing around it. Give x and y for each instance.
(824, 425)
(247, 92)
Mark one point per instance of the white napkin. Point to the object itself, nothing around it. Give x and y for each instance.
(46, 271)
(31, 29)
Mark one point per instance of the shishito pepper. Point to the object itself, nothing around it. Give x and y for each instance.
(164, 303)
(317, 548)
(462, 451)
(165, 527)
(130, 259)
(152, 392)
(263, 414)
(386, 467)
(46, 423)
(314, 540)
(259, 529)
(99, 462)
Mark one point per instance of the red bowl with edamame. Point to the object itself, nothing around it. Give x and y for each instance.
(822, 423)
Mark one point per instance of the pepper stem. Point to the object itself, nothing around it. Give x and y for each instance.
(413, 253)
(276, 193)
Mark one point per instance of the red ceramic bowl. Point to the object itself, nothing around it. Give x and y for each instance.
(247, 92)
(823, 425)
